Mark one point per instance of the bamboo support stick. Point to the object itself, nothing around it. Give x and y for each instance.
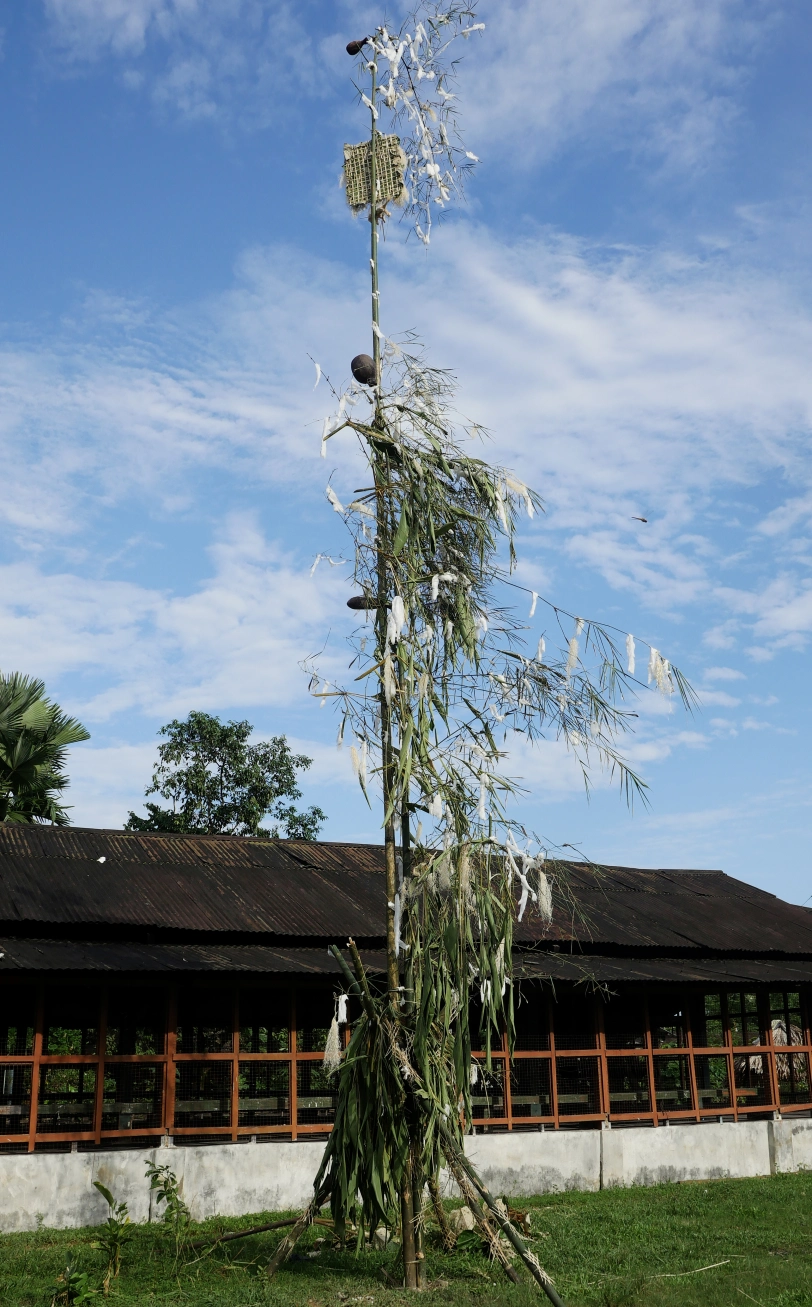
(290, 1241)
(483, 1224)
(451, 1148)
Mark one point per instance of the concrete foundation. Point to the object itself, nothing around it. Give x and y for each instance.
(56, 1189)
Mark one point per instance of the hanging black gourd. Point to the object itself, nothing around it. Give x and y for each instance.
(355, 47)
(363, 369)
(362, 602)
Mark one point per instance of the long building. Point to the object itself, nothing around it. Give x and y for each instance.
(168, 988)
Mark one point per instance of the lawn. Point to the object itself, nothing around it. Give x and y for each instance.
(618, 1248)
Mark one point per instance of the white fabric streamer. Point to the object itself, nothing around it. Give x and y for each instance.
(332, 1049)
(334, 500)
(533, 604)
(541, 649)
(630, 654)
(572, 656)
(545, 898)
(397, 924)
(389, 686)
(500, 508)
(435, 588)
(342, 1018)
(318, 374)
(659, 671)
(436, 807)
(482, 812)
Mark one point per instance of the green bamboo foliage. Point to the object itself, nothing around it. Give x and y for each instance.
(441, 677)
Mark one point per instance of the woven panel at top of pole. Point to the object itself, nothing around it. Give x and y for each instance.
(390, 165)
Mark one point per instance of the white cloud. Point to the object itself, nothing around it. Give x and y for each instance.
(723, 674)
(612, 381)
(236, 639)
(717, 698)
(644, 75)
(637, 74)
(245, 61)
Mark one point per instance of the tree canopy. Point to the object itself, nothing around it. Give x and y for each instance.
(34, 735)
(218, 783)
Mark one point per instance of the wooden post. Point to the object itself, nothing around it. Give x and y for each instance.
(35, 1067)
(235, 1064)
(101, 1049)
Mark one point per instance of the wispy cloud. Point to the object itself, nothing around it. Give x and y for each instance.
(644, 76)
(235, 638)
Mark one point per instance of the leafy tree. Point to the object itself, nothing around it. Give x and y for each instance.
(34, 735)
(218, 783)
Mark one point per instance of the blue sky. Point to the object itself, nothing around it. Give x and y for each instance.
(625, 299)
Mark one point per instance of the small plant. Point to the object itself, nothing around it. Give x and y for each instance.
(164, 1182)
(113, 1234)
(72, 1286)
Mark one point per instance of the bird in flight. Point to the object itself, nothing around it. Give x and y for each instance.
(640, 519)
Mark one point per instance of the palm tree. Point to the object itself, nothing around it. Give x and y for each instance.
(34, 735)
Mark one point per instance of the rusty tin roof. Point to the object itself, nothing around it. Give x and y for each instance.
(97, 885)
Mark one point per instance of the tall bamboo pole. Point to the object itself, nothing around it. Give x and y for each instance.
(381, 473)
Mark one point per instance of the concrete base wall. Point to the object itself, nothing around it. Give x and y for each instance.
(56, 1189)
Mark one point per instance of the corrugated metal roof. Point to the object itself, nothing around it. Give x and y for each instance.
(21, 955)
(615, 971)
(190, 883)
(51, 880)
(79, 955)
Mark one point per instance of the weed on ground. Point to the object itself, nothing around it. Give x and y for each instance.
(720, 1242)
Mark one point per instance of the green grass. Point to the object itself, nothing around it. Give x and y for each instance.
(612, 1249)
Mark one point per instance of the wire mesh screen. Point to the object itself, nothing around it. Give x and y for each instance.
(316, 1094)
(624, 1023)
(264, 1021)
(136, 1021)
(66, 1098)
(15, 1099)
(488, 1091)
(71, 1021)
(578, 1086)
(574, 1022)
(205, 1019)
(712, 1081)
(389, 167)
(672, 1084)
(707, 1023)
(17, 1022)
(668, 1019)
(793, 1077)
(264, 1093)
(314, 1012)
(628, 1085)
(203, 1094)
(532, 1019)
(530, 1087)
(132, 1096)
(752, 1080)
(743, 1019)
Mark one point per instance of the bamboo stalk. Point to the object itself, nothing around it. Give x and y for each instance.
(290, 1241)
(440, 1213)
(255, 1229)
(483, 1224)
(451, 1148)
